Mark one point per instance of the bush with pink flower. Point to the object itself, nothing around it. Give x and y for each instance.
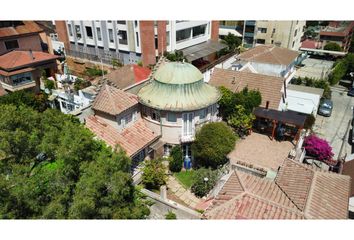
(318, 148)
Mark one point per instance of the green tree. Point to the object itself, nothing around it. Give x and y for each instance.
(49, 84)
(170, 215)
(176, 56)
(81, 84)
(176, 161)
(51, 167)
(30, 99)
(226, 102)
(232, 42)
(154, 174)
(332, 46)
(212, 144)
(240, 120)
(204, 181)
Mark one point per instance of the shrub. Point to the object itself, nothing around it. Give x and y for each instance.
(154, 174)
(176, 160)
(212, 143)
(81, 84)
(116, 63)
(49, 84)
(309, 82)
(332, 46)
(297, 81)
(93, 72)
(176, 56)
(170, 215)
(203, 181)
(338, 72)
(318, 148)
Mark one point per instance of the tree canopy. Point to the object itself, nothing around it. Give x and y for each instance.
(36, 101)
(212, 144)
(51, 167)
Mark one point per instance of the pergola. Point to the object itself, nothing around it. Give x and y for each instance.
(286, 117)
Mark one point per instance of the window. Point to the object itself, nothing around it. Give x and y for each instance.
(199, 30)
(89, 32)
(167, 150)
(295, 33)
(136, 23)
(155, 116)
(78, 32)
(171, 117)
(156, 42)
(183, 34)
(121, 22)
(134, 116)
(273, 30)
(262, 30)
(167, 38)
(122, 122)
(110, 34)
(202, 114)
(11, 44)
(21, 78)
(70, 30)
(137, 39)
(99, 36)
(260, 41)
(293, 43)
(128, 118)
(122, 35)
(109, 21)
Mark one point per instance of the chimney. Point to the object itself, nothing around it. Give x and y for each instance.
(31, 54)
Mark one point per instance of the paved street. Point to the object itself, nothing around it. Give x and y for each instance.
(333, 128)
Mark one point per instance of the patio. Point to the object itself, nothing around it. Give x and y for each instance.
(260, 151)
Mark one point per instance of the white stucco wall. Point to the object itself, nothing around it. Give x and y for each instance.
(302, 102)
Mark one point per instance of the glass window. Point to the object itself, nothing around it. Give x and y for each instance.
(156, 42)
(202, 114)
(109, 21)
(171, 117)
(128, 118)
(11, 44)
(167, 38)
(110, 35)
(99, 36)
(89, 32)
(260, 41)
(199, 30)
(262, 30)
(78, 31)
(21, 78)
(183, 34)
(70, 30)
(136, 23)
(122, 35)
(137, 39)
(155, 116)
(121, 22)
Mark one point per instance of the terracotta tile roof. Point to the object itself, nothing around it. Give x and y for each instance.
(128, 75)
(269, 86)
(308, 43)
(320, 194)
(113, 101)
(18, 59)
(297, 192)
(10, 73)
(269, 54)
(348, 169)
(245, 196)
(28, 27)
(334, 29)
(131, 139)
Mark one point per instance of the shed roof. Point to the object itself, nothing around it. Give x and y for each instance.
(289, 117)
(202, 50)
(178, 87)
(306, 89)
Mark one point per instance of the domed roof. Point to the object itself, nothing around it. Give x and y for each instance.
(178, 87)
(178, 73)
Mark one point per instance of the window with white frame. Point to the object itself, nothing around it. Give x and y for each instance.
(89, 32)
(110, 35)
(183, 34)
(262, 30)
(78, 31)
(123, 38)
(202, 114)
(99, 36)
(167, 38)
(137, 39)
(199, 30)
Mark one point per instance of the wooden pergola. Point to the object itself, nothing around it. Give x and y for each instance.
(285, 117)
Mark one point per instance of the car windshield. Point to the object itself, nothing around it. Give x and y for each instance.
(326, 105)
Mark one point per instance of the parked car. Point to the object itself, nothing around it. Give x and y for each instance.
(325, 108)
(351, 92)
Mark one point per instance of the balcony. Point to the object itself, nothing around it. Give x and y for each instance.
(250, 23)
(19, 86)
(187, 138)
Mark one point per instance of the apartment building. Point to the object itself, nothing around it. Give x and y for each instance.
(133, 41)
(285, 34)
(339, 32)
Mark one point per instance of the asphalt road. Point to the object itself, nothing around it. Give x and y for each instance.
(334, 128)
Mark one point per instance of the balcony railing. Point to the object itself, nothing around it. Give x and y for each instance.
(18, 86)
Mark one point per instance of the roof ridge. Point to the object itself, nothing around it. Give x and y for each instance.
(310, 193)
(225, 204)
(111, 99)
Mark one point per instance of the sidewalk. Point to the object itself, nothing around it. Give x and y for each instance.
(184, 194)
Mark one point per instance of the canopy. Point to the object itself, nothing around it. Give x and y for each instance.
(289, 117)
(202, 50)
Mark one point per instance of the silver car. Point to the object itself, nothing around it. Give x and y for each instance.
(325, 108)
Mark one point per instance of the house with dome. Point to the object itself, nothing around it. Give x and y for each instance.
(176, 103)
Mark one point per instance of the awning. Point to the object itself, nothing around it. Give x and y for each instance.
(289, 117)
(202, 50)
(225, 31)
(157, 145)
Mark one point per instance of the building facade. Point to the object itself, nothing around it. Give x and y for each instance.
(132, 41)
(285, 34)
(339, 32)
(177, 102)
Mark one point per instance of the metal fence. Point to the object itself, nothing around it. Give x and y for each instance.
(93, 57)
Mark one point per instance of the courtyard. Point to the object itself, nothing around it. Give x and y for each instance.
(314, 68)
(260, 151)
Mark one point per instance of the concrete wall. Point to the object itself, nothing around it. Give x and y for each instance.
(147, 42)
(303, 102)
(268, 69)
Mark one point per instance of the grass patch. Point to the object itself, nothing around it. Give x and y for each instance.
(185, 178)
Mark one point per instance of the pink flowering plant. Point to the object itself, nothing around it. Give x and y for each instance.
(318, 148)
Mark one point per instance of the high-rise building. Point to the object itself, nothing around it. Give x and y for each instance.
(285, 34)
(133, 41)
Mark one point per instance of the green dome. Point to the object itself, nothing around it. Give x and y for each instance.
(178, 73)
(178, 87)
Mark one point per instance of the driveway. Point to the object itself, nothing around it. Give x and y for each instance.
(314, 68)
(333, 128)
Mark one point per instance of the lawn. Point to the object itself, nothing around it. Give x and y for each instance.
(185, 178)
